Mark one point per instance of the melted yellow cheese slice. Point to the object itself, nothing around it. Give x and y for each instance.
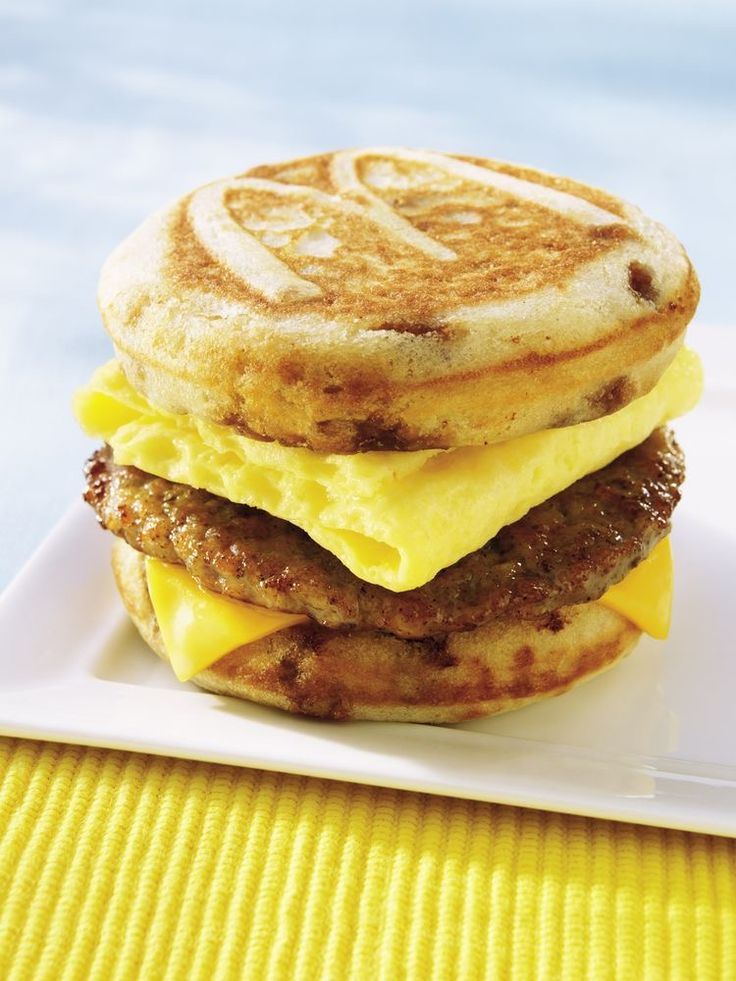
(198, 626)
(645, 595)
(393, 518)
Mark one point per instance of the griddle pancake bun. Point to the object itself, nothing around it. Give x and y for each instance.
(352, 674)
(396, 299)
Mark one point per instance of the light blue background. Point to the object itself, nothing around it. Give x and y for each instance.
(110, 110)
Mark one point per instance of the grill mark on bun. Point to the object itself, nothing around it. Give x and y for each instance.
(612, 233)
(594, 195)
(441, 331)
(523, 658)
(137, 307)
(190, 266)
(436, 651)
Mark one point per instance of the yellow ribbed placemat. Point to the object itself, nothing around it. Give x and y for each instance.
(119, 865)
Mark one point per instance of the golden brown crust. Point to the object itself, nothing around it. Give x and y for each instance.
(396, 300)
(313, 670)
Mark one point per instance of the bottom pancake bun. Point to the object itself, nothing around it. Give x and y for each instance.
(361, 674)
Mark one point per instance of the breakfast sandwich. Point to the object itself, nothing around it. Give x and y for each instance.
(386, 432)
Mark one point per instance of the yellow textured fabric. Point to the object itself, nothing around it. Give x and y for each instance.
(115, 865)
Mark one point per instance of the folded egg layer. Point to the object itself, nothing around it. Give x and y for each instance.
(393, 518)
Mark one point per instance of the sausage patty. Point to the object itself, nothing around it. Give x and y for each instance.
(568, 550)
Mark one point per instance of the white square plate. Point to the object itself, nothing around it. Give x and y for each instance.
(652, 741)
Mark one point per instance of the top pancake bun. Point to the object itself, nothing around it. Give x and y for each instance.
(396, 299)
